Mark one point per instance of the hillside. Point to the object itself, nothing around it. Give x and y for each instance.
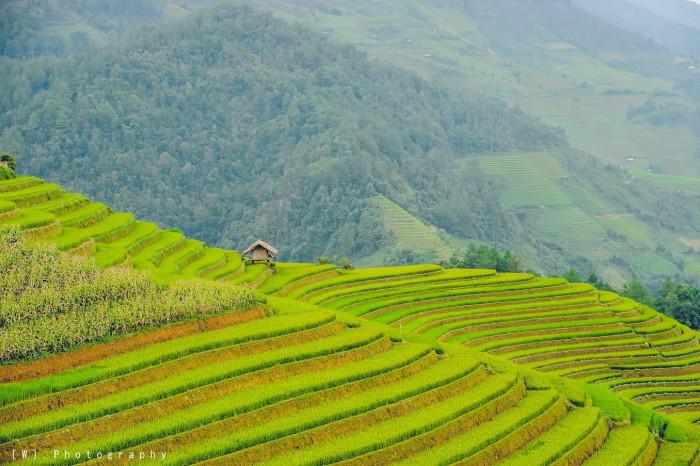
(618, 97)
(405, 365)
(327, 131)
(674, 23)
(304, 120)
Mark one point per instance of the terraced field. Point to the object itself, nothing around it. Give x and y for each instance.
(299, 387)
(78, 226)
(410, 232)
(528, 178)
(547, 324)
(414, 365)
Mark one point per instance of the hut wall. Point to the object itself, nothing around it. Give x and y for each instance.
(259, 254)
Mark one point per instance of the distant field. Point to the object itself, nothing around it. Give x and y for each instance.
(679, 183)
(410, 232)
(567, 225)
(531, 187)
(528, 179)
(584, 94)
(629, 226)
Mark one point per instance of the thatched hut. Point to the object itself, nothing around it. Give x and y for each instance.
(260, 251)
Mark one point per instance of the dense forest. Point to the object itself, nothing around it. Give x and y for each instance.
(232, 125)
(235, 125)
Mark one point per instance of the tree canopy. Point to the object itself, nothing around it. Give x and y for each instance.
(235, 125)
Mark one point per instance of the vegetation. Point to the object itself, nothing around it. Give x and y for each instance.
(341, 129)
(117, 335)
(8, 164)
(432, 154)
(460, 364)
(52, 303)
(565, 329)
(215, 395)
(484, 257)
(682, 302)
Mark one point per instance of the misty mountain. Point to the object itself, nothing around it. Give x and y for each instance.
(674, 24)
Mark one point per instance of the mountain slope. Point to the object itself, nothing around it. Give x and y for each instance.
(277, 118)
(574, 71)
(403, 365)
(207, 100)
(675, 24)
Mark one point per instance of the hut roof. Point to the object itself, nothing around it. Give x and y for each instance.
(263, 244)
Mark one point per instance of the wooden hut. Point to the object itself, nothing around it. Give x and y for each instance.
(260, 251)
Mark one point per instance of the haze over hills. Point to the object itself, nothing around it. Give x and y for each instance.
(610, 90)
(674, 23)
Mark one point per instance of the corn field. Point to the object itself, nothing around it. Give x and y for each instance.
(50, 302)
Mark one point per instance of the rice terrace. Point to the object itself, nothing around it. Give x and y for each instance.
(355, 233)
(315, 364)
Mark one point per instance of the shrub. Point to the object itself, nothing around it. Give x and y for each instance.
(9, 160)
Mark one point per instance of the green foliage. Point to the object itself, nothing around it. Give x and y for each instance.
(599, 283)
(610, 403)
(484, 257)
(636, 291)
(8, 160)
(572, 276)
(304, 120)
(47, 299)
(682, 302)
(6, 174)
(403, 256)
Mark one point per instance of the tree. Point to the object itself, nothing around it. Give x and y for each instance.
(599, 283)
(680, 301)
(295, 136)
(484, 257)
(572, 276)
(9, 160)
(636, 291)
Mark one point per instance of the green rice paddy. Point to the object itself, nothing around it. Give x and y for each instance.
(413, 365)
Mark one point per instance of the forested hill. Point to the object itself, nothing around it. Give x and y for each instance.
(234, 125)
